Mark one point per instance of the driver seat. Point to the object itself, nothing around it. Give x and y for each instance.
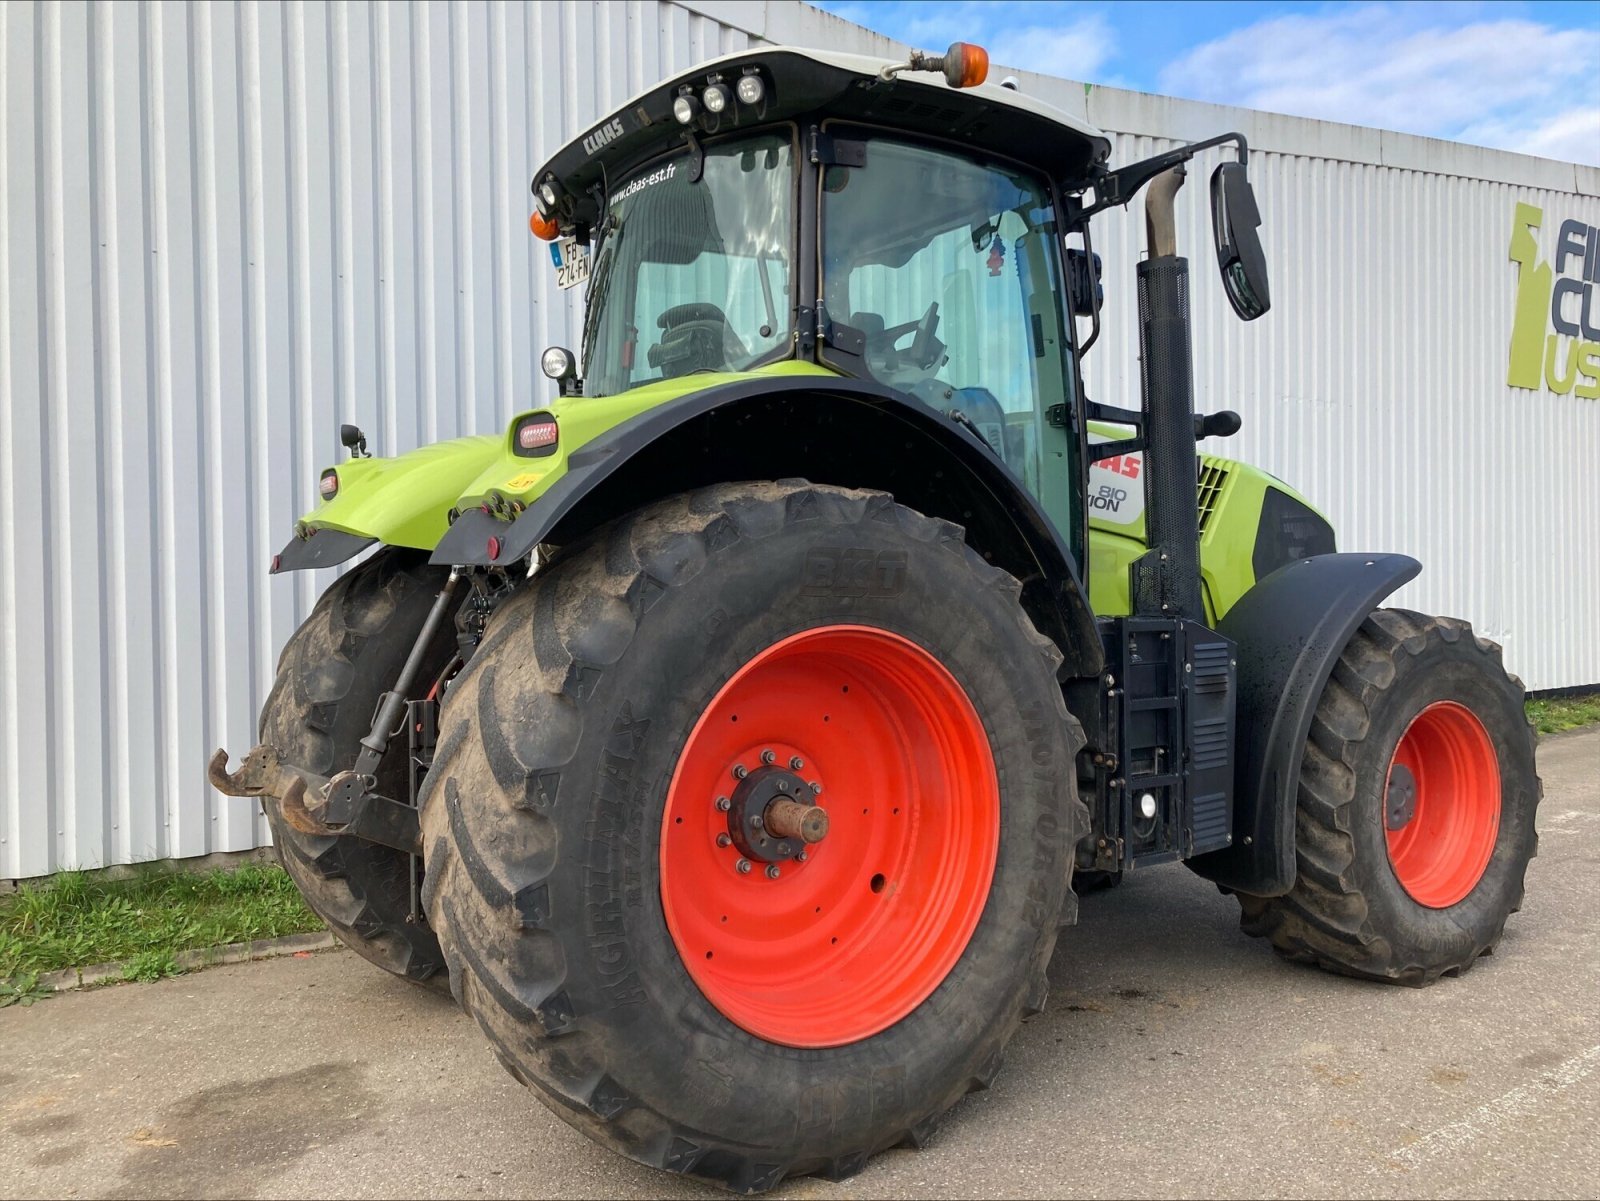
(695, 337)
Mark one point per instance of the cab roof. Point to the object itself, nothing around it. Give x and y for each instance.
(825, 85)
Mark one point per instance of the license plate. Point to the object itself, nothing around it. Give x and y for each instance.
(573, 269)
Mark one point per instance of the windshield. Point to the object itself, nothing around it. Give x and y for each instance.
(693, 275)
(942, 278)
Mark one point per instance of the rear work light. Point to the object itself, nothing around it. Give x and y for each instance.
(328, 485)
(537, 436)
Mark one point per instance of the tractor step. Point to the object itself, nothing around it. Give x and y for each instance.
(1163, 764)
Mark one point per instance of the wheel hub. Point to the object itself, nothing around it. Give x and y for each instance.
(770, 814)
(1400, 801)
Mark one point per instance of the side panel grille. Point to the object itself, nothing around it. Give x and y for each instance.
(1212, 476)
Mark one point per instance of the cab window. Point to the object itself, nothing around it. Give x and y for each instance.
(941, 278)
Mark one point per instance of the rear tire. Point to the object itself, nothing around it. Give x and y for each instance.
(1424, 895)
(330, 676)
(565, 865)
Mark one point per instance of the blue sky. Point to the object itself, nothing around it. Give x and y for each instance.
(1521, 76)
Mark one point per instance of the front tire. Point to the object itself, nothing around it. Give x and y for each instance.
(1415, 819)
(788, 1017)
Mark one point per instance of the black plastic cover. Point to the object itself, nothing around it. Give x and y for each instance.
(1288, 531)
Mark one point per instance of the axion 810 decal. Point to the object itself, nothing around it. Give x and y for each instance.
(1116, 489)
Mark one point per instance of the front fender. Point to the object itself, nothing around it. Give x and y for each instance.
(1290, 630)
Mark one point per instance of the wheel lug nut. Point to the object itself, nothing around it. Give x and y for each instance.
(739, 772)
(796, 763)
(756, 821)
(801, 856)
(772, 871)
(724, 803)
(723, 840)
(744, 867)
(767, 757)
(816, 787)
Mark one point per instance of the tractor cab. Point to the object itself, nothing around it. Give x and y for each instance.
(780, 205)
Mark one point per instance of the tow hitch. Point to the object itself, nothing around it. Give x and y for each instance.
(314, 804)
(348, 804)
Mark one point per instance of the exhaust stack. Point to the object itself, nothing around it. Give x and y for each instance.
(1166, 580)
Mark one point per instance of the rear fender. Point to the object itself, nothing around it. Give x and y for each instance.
(400, 501)
(1290, 630)
(835, 431)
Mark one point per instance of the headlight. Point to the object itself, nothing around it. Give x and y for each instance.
(557, 363)
(716, 98)
(751, 89)
(684, 109)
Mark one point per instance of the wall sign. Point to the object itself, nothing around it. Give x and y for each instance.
(1555, 334)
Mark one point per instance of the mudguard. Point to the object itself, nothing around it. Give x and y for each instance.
(399, 501)
(483, 538)
(1290, 630)
(319, 547)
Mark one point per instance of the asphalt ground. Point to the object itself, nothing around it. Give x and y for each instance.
(1177, 1058)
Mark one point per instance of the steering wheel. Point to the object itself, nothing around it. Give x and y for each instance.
(925, 350)
(925, 347)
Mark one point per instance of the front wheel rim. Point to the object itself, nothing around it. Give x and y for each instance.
(843, 944)
(1441, 839)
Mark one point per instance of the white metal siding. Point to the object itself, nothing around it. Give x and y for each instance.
(224, 228)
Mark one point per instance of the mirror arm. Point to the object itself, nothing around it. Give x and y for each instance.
(1116, 188)
(1094, 291)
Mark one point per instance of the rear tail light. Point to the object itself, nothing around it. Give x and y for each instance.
(537, 436)
(328, 485)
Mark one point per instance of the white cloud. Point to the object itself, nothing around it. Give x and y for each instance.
(1572, 135)
(1076, 48)
(1514, 84)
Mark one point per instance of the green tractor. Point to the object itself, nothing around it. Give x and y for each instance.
(730, 729)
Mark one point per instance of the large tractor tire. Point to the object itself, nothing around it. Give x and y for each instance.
(1415, 819)
(330, 676)
(608, 870)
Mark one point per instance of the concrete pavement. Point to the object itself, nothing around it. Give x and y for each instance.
(1177, 1058)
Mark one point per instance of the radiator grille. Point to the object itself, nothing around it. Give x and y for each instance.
(1212, 476)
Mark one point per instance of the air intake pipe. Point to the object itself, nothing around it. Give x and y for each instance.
(1166, 580)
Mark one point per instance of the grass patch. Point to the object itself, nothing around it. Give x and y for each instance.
(80, 918)
(1564, 713)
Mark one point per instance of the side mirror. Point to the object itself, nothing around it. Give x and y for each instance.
(1084, 288)
(1234, 220)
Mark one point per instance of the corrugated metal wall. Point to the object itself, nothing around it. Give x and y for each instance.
(224, 228)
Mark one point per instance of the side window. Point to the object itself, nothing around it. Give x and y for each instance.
(954, 297)
(982, 321)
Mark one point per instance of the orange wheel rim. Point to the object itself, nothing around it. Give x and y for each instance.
(1442, 805)
(840, 945)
